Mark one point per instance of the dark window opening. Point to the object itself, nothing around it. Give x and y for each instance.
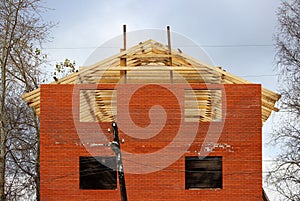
(203, 173)
(97, 172)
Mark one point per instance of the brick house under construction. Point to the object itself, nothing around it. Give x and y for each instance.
(201, 141)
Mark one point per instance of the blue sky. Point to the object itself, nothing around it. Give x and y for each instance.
(237, 35)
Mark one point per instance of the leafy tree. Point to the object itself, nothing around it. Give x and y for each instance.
(22, 31)
(64, 68)
(285, 175)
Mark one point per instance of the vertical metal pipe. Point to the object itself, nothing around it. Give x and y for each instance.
(115, 146)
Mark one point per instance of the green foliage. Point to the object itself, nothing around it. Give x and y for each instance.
(64, 68)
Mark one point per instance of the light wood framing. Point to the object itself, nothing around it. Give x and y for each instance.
(149, 62)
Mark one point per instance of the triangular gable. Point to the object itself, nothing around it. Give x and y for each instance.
(152, 62)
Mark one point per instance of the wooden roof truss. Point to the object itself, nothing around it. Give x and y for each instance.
(149, 62)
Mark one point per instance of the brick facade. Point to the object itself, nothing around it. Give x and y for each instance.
(240, 145)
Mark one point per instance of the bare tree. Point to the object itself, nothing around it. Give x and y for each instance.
(22, 32)
(21, 146)
(285, 175)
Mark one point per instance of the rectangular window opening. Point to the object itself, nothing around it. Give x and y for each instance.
(97, 105)
(97, 173)
(203, 173)
(203, 105)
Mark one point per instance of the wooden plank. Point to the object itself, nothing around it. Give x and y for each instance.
(154, 53)
(28, 96)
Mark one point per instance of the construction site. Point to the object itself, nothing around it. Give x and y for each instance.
(151, 123)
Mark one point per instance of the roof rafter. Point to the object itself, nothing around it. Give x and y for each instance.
(148, 62)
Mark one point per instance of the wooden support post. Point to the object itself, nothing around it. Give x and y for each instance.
(123, 73)
(123, 61)
(170, 53)
(169, 39)
(124, 37)
(171, 76)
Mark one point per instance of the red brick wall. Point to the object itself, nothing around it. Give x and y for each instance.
(61, 146)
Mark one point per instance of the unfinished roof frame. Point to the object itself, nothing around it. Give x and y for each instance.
(153, 62)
